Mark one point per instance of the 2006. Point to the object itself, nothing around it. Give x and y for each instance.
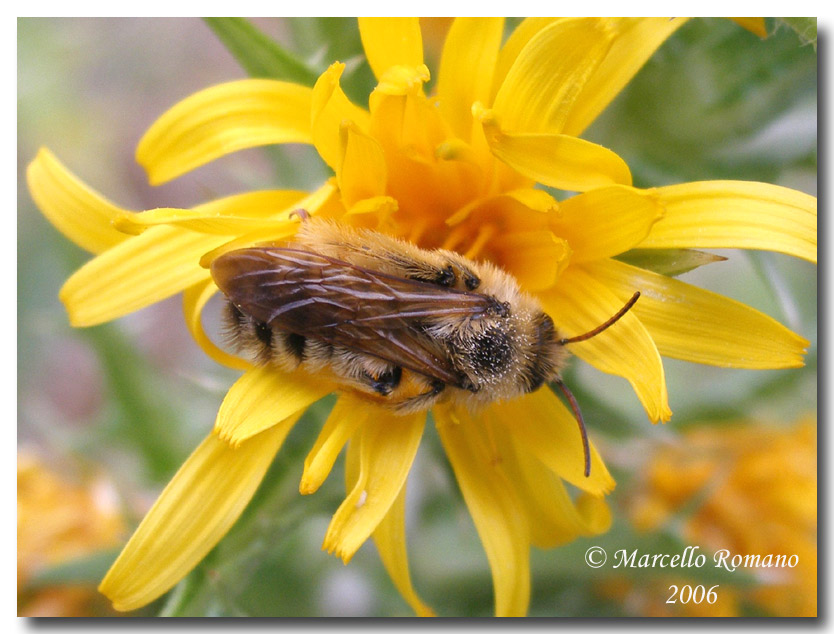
(687, 594)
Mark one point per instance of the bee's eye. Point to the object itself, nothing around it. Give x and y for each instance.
(541, 368)
(534, 383)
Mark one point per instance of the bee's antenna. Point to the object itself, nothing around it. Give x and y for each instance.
(607, 324)
(578, 415)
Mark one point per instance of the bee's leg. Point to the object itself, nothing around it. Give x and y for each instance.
(437, 269)
(424, 400)
(385, 382)
(432, 270)
(368, 374)
(470, 280)
(454, 274)
(426, 272)
(464, 273)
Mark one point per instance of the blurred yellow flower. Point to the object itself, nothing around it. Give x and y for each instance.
(58, 521)
(457, 170)
(750, 489)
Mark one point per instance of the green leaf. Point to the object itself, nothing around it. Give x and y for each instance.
(805, 28)
(139, 414)
(259, 55)
(778, 392)
(716, 102)
(144, 418)
(672, 262)
(327, 39)
(177, 601)
(251, 572)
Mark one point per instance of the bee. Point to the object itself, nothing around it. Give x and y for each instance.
(399, 325)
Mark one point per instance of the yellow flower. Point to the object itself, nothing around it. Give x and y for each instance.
(754, 492)
(57, 521)
(456, 170)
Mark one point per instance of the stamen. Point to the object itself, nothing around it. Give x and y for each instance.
(454, 238)
(417, 230)
(485, 233)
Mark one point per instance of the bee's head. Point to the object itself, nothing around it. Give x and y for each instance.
(511, 355)
(545, 356)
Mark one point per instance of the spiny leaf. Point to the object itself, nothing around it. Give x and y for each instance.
(672, 262)
(259, 54)
(805, 28)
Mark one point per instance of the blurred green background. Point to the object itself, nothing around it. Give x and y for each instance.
(131, 399)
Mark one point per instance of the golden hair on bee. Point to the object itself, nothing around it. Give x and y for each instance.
(399, 325)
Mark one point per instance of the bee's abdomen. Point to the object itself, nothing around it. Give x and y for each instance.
(263, 343)
(295, 345)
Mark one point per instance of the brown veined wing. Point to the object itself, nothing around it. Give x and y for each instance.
(346, 305)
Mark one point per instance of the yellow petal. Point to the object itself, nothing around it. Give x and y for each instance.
(533, 199)
(345, 418)
(557, 160)
(605, 222)
(543, 427)
(223, 119)
(535, 258)
(635, 41)
(136, 273)
(754, 25)
(266, 234)
(494, 505)
(528, 198)
(521, 35)
(389, 538)
(231, 215)
(692, 324)
(736, 215)
(403, 120)
(324, 203)
(192, 514)
(262, 397)
(194, 300)
(580, 303)
(554, 518)
(331, 107)
(399, 81)
(549, 73)
(362, 172)
(387, 445)
(380, 206)
(391, 42)
(466, 68)
(80, 213)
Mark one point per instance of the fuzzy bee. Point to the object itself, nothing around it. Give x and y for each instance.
(401, 326)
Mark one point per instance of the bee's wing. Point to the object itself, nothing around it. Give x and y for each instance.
(342, 304)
